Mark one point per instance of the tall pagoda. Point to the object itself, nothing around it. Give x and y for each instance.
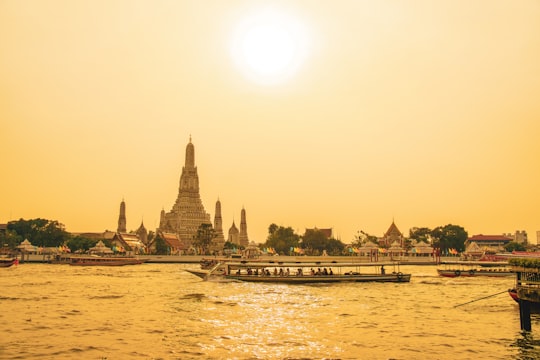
(188, 212)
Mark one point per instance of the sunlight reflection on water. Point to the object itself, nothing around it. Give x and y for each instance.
(155, 311)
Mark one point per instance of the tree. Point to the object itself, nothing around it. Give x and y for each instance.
(362, 237)
(80, 243)
(281, 238)
(514, 246)
(10, 239)
(314, 241)
(334, 247)
(161, 246)
(449, 237)
(40, 232)
(420, 234)
(203, 238)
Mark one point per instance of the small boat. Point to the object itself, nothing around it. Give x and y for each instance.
(474, 268)
(7, 262)
(104, 261)
(513, 294)
(303, 272)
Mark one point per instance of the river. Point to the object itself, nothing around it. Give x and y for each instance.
(159, 311)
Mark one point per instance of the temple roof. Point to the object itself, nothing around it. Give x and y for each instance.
(481, 237)
(393, 229)
(172, 240)
(327, 232)
(233, 228)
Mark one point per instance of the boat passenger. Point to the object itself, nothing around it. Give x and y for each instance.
(325, 271)
(299, 272)
(287, 272)
(267, 272)
(312, 272)
(382, 270)
(330, 272)
(280, 271)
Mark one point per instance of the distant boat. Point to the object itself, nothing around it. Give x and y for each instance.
(104, 261)
(7, 262)
(303, 272)
(474, 268)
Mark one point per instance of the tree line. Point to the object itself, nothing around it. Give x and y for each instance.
(51, 233)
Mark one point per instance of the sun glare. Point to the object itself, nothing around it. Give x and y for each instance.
(269, 46)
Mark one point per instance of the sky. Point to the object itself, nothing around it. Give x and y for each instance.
(347, 114)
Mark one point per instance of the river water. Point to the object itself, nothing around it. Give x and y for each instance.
(159, 311)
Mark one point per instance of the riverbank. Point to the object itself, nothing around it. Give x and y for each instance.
(195, 259)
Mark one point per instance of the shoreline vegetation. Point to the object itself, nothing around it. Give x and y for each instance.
(195, 259)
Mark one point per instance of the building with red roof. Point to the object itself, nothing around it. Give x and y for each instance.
(489, 243)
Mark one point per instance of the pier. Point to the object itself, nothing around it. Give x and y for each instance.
(527, 288)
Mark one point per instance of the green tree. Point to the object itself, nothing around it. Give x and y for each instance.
(203, 238)
(449, 237)
(420, 234)
(40, 232)
(315, 242)
(514, 246)
(161, 246)
(334, 247)
(362, 237)
(80, 243)
(281, 238)
(10, 239)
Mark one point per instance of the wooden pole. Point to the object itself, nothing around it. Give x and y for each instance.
(525, 315)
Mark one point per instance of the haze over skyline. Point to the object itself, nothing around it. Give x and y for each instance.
(355, 114)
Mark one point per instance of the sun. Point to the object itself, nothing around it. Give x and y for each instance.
(269, 46)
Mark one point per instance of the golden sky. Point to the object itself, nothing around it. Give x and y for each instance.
(351, 113)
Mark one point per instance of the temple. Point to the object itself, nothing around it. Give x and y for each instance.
(122, 218)
(219, 241)
(188, 212)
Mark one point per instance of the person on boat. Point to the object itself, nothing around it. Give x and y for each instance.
(383, 271)
(318, 271)
(299, 272)
(287, 272)
(275, 271)
(330, 272)
(312, 272)
(325, 271)
(267, 272)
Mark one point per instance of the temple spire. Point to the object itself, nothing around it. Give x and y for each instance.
(190, 155)
(188, 212)
(243, 236)
(122, 218)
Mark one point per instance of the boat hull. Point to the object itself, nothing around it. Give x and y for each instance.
(472, 273)
(325, 279)
(105, 261)
(7, 263)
